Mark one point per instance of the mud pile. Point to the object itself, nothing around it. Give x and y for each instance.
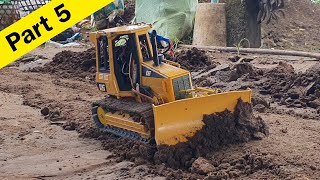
(68, 64)
(226, 168)
(293, 89)
(297, 30)
(194, 60)
(282, 83)
(220, 129)
(229, 77)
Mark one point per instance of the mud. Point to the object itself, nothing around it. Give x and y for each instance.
(297, 30)
(68, 64)
(129, 10)
(220, 129)
(73, 104)
(299, 90)
(222, 78)
(281, 83)
(194, 60)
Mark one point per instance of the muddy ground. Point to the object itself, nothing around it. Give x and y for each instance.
(47, 131)
(289, 151)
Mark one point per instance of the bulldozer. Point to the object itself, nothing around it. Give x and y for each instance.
(147, 97)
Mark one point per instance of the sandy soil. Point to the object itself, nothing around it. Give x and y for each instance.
(34, 148)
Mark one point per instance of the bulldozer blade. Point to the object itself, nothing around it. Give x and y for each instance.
(177, 121)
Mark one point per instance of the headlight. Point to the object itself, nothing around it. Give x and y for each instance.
(102, 87)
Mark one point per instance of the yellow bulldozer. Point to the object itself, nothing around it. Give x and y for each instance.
(149, 98)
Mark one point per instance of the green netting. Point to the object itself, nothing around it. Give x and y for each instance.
(4, 1)
(8, 14)
(171, 18)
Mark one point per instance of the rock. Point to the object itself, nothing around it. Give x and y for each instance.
(244, 68)
(313, 168)
(314, 104)
(224, 166)
(234, 58)
(289, 100)
(258, 99)
(69, 126)
(310, 89)
(284, 130)
(277, 96)
(260, 108)
(294, 93)
(283, 67)
(45, 111)
(202, 166)
(258, 136)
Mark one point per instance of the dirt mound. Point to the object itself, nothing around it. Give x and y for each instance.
(68, 64)
(229, 77)
(292, 89)
(282, 83)
(298, 30)
(194, 60)
(246, 164)
(220, 130)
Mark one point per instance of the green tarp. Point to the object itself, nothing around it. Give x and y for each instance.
(171, 18)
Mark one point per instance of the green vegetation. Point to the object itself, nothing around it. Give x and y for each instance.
(239, 45)
(316, 1)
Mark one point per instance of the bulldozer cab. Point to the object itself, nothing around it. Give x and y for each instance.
(124, 54)
(120, 54)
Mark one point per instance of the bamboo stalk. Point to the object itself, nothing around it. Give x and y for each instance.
(258, 51)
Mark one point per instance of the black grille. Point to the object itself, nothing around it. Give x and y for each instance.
(180, 85)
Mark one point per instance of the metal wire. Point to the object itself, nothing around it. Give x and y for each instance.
(28, 6)
(13, 11)
(9, 13)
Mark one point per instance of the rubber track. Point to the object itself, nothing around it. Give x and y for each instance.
(141, 111)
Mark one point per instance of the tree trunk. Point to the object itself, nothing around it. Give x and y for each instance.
(242, 23)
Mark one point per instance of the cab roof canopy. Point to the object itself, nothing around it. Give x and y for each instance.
(127, 29)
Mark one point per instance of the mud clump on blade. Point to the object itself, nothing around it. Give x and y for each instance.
(220, 130)
(68, 64)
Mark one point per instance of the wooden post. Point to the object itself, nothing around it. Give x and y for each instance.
(242, 22)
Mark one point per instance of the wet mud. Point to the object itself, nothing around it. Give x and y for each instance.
(194, 60)
(68, 64)
(221, 129)
(194, 159)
